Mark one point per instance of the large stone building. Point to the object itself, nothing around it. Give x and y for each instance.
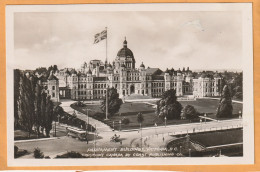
(92, 79)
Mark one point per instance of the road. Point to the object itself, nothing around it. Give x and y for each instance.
(155, 136)
(129, 138)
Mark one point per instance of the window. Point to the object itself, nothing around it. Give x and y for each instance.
(53, 87)
(53, 94)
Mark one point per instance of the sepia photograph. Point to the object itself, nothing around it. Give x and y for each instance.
(130, 84)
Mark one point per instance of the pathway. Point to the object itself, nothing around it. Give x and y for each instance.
(101, 127)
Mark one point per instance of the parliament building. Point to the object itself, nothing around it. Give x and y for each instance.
(92, 79)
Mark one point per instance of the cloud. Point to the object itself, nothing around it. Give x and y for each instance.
(195, 23)
(159, 39)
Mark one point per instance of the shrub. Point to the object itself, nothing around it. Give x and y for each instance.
(189, 112)
(80, 104)
(18, 152)
(37, 153)
(100, 116)
(71, 154)
(125, 121)
(15, 151)
(238, 95)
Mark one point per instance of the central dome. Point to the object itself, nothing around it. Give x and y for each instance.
(125, 52)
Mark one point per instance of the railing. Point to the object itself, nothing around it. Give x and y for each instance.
(202, 130)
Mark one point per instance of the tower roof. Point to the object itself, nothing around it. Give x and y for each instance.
(125, 52)
(52, 77)
(122, 65)
(89, 71)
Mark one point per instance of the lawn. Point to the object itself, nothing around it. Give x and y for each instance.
(130, 110)
(209, 105)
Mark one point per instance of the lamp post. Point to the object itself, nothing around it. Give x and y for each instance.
(165, 119)
(95, 139)
(180, 149)
(240, 114)
(55, 129)
(58, 119)
(88, 116)
(120, 122)
(205, 115)
(86, 127)
(114, 125)
(189, 152)
(155, 126)
(106, 103)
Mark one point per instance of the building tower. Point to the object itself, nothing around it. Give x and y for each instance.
(53, 87)
(125, 56)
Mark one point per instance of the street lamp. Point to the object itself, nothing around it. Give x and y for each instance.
(106, 103)
(240, 114)
(86, 127)
(58, 119)
(95, 139)
(205, 115)
(54, 128)
(165, 119)
(114, 125)
(155, 126)
(120, 125)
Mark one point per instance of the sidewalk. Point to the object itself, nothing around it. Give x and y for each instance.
(213, 98)
(100, 126)
(35, 140)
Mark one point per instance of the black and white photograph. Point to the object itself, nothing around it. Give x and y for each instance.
(130, 84)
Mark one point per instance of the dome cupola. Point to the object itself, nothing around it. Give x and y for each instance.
(126, 56)
(125, 52)
(125, 43)
(142, 65)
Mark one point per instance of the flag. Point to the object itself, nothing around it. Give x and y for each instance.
(100, 36)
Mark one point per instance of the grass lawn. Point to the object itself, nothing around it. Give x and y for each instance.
(209, 105)
(130, 110)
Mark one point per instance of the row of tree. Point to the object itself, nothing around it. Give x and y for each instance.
(33, 109)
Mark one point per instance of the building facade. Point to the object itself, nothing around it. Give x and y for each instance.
(92, 79)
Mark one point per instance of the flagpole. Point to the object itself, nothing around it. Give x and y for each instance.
(107, 84)
(106, 45)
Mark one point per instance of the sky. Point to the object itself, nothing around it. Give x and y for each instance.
(198, 40)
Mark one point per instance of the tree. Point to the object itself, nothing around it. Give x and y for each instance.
(17, 76)
(125, 121)
(168, 106)
(43, 110)
(114, 102)
(48, 116)
(225, 107)
(57, 112)
(41, 70)
(38, 154)
(140, 118)
(26, 104)
(189, 112)
(38, 114)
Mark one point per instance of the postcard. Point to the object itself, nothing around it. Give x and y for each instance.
(129, 84)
